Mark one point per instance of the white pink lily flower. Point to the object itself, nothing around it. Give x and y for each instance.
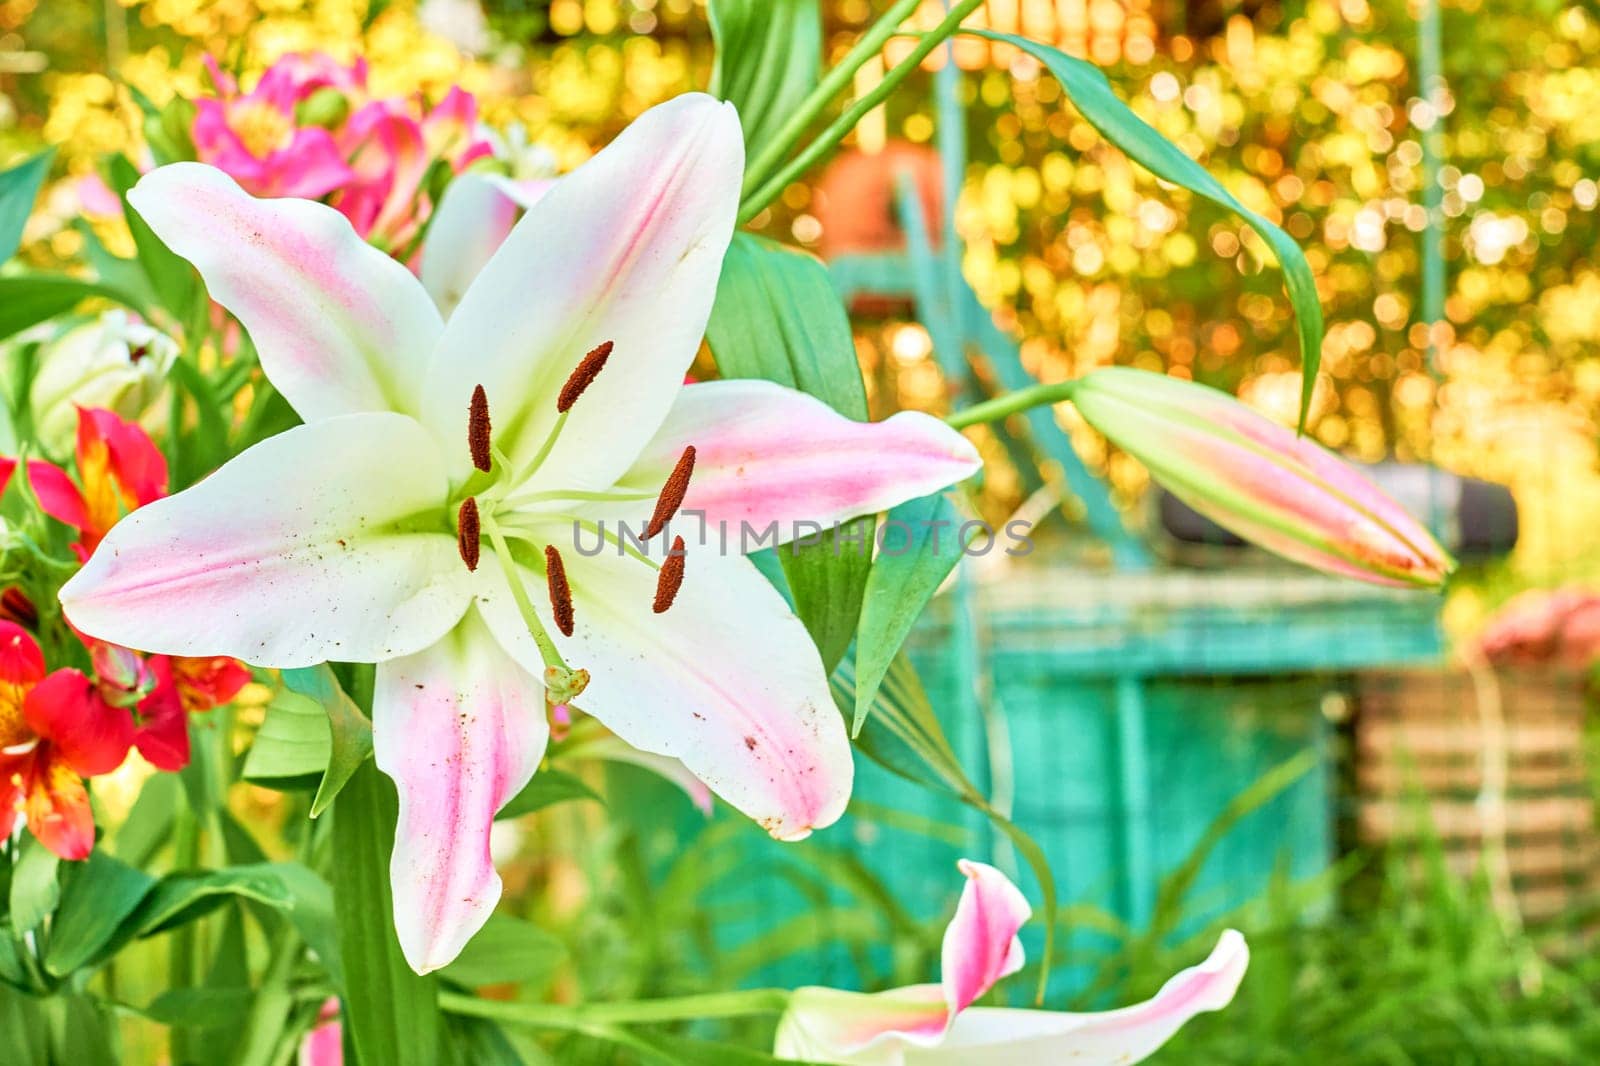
(1245, 472)
(424, 516)
(936, 1025)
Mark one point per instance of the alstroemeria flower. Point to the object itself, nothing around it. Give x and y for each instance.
(119, 468)
(55, 730)
(257, 137)
(1247, 473)
(935, 1025)
(424, 517)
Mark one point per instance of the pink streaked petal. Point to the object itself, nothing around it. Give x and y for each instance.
(1000, 1037)
(328, 564)
(980, 944)
(340, 327)
(58, 496)
(460, 727)
(727, 680)
(310, 166)
(473, 219)
(765, 453)
(626, 249)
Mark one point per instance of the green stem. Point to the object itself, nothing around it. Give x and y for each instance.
(1012, 403)
(682, 1008)
(832, 84)
(829, 139)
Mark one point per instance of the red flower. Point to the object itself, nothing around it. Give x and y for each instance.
(119, 469)
(182, 686)
(55, 730)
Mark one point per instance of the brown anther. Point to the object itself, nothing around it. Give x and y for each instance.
(478, 430)
(583, 376)
(672, 493)
(670, 579)
(555, 574)
(468, 532)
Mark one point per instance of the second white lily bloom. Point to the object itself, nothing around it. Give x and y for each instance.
(350, 538)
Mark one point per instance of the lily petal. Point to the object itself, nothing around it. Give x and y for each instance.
(728, 681)
(980, 943)
(626, 249)
(340, 327)
(460, 728)
(998, 1036)
(347, 557)
(768, 454)
(474, 218)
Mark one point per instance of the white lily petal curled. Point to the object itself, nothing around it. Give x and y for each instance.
(339, 326)
(460, 727)
(291, 554)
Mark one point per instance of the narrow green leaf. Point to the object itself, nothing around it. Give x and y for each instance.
(97, 896)
(183, 897)
(921, 545)
(507, 951)
(19, 187)
(34, 889)
(391, 1013)
(768, 59)
(546, 789)
(28, 299)
(1090, 92)
(24, 1028)
(213, 1006)
(171, 276)
(778, 317)
(81, 1032)
(293, 745)
(350, 732)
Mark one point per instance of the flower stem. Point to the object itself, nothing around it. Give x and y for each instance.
(830, 137)
(831, 85)
(1012, 403)
(682, 1008)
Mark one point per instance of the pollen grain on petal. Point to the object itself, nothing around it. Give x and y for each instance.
(468, 532)
(555, 572)
(583, 376)
(478, 430)
(672, 493)
(670, 579)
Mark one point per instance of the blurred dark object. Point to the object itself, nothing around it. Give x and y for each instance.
(857, 204)
(1473, 519)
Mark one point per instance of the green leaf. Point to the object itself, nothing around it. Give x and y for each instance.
(768, 59)
(19, 187)
(178, 899)
(24, 1029)
(391, 1013)
(293, 745)
(28, 299)
(80, 1032)
(778, 317)
(34, 889)
(546, 789)
(507, 951)
(350, 732)
(920, 548)
(903, 735)
(213, 1006)
(1091, 94)
(171, 276)
(97, 897)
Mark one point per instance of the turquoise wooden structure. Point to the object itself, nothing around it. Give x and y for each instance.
(1114, 714)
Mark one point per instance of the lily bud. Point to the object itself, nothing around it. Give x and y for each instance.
(113, 362)
(1258, 479)
(327, 107)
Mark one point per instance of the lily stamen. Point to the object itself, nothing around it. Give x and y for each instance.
(583, 376)
(478, 428)
(555, 575)
(672, 493)
(469, 532)
(670, 579)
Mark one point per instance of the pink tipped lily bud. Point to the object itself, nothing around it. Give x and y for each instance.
(1284, 492)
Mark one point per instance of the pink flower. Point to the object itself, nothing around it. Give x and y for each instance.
(257, 138)
(936, 1025)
